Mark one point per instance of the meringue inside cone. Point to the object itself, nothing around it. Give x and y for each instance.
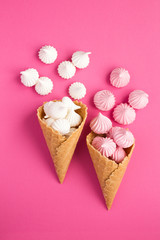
(92, 135)
(82, 111)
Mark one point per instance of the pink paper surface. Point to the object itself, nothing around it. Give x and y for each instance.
(33, 205)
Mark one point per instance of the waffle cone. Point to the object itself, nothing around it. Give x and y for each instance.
(109, 173)
(60, 147)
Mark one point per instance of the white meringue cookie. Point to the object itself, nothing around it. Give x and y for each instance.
(55, 110)
(71, 131)
(74, 118)
(44, 86)
(48, 121)
(70, 104)
(77, 90)
(29, 77)
(80, 59)
(61, 125)
(66, 69)
(47, 54)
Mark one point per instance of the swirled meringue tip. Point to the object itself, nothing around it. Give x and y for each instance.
(44, 86)
(29, 77)
(55, 110)
(105, 146)
(123, 137)
(74, 118)
(77, 90)
(70, 104)
(124, 114)
(138, 99)
(66, 69)
(118, 155)
(61, 125)
(104, 100)
(119, 77)
(81, 59)
(111, 131)
(100, 124)
(47, 54)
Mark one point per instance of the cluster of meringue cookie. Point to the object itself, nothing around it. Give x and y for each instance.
(61, 116)
(30, 78)
(123, 113)
(112, 141)
(67, 69)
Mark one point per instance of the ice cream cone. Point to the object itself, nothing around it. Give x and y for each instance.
(60, 147)
(109, 172)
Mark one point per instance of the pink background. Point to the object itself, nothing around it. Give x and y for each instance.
(33, 205)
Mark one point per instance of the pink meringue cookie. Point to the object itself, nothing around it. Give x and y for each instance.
(138, 99)
(123, 137)
(105, 146)
(119, 77)
(111, 132)
(104, 100)
(118, 155)
(124, 114)
(100, 124)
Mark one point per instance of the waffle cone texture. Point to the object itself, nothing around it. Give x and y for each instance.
(61, 148)
(109, 172)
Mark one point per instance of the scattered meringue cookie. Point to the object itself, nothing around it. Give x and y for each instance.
(105, 146)
(119, 77)
(55, 110)
(100, 124)
(70, 104)
(124, 114)
(44, 86)
(47, 54)
(29, 77)
(77, 90)
(66, 69)
(70, 132)
(118, 155)
(104, 100)
(138, 99)
(48, 121)
(80, 59)
(123, 137)
(74, 118)
(61, 125)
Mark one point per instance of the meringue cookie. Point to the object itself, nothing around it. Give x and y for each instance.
(48, 121)
(47, 54)
(119, 77)
(123, 137)
(74, 118)
(112, 131)
(66, 69)
(118, 155)
(70, 104)
(138, 99)
(44, 86)
(29, 77)
(77, 90)
(70, 132)
(61, 125)
(124, 114)
(80, 59)
(104, 100)
(100, 124)
(105, 146)
(55, 110)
